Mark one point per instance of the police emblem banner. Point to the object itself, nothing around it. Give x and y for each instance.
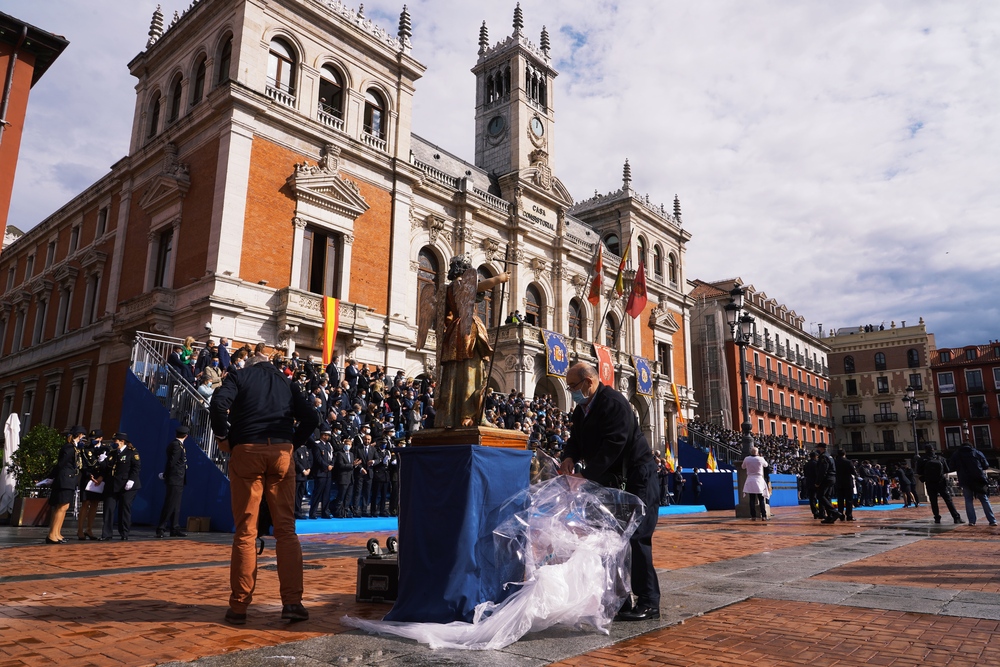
(556, 354)
(605, 367)
(643, 376)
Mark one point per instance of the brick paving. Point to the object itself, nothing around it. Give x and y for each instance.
(80, 604)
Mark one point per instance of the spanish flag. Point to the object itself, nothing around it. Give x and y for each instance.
(331, 322)
(710, 464)
(668, 459)
(596, 276)
(620, 278)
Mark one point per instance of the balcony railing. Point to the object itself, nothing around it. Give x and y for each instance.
(329, 118)
(979, 412)
(885, 417)
(282, 97)
(376, 142)
(769, 347)
(758, 371)
(974, 386)
(923, 416)
(858, 447)
(888, 447)
(780, 351)
(758, 340)
(853, 419)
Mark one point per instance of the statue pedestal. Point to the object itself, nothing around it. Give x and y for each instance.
(470, 435)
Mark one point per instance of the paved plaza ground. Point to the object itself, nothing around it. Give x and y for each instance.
(892, 588)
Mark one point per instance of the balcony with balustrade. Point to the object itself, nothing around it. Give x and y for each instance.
(886, 417)
(853, 419)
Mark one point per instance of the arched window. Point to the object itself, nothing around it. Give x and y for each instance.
(611, 331)
(533, 307)
(642, 251)
(848, 364)
(879, 361)
(657, 262)
(672, 268)
(484, 307)
(577, 319)
(374, 114)
(224, 60)
(331, 92)
(912, 358)
(281, 66)
(175, 99)
(490, 89)
(427, 281)
(198, 89)
(154, 116)
(613, 244)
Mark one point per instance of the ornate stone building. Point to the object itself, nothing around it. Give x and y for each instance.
(272, 163)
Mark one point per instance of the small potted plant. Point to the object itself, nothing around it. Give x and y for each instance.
(33, 459)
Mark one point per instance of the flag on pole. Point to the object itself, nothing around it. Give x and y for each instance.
(331, 321)
(710, 464)
(596, 273)
(620, 278)
(668, 460)
(637, 297)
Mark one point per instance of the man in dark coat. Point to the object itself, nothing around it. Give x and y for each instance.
(259, 417)
(343, 477)
(380, 482)
(971, 465)
(933, 470)
(809, 479)
(322, 468)
(363, 476)
(303, 467)
(844, 471)
(175, 476)
(606, 437)
(121, 484)
(826, 480)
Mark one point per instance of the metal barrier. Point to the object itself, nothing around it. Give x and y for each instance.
(185, 404)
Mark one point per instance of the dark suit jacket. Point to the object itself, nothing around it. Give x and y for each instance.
(65, 474)
(122, 466)
(175, 472)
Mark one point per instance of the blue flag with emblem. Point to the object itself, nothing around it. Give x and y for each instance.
(556, 354)
(643, 376)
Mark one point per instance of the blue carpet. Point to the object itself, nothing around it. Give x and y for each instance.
(682, 509)
(880, 508)
(364, 525)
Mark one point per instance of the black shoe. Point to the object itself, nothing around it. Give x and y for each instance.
(159, 533)
(937, 519)
(106, 539)
(300, 516)
(232, 618)
(640, 613)
(178, 533)
(124, 538)
(294, 613)
(91, 537)
(958, 519)
(48, 541)
(831, 519)
(327, 516)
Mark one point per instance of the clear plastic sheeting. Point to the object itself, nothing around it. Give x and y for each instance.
(570, 536)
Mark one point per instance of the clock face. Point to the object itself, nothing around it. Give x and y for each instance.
(536, 126)
(496, 126)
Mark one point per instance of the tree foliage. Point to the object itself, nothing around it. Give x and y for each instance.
(35, 456)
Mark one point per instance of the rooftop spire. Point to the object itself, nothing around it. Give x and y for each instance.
(544, 42)
(677, 208)
(627, 176)
(405, 31)
(155, 27)
(361, 10)
(484, 38)
(518, 19)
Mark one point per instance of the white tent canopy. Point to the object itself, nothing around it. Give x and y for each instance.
(12, 439)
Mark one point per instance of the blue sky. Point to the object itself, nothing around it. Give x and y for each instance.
(842, 157)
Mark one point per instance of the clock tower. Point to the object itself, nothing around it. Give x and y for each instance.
(514, 117)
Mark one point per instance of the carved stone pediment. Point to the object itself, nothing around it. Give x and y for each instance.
(166, 190)
(326, 190)
(661, 318)
(66, 274)
(94, 258)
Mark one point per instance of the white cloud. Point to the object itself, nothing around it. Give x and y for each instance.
(840, 156)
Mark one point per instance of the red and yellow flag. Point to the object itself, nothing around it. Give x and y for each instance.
(620, 278)
(637, 297)
(710, 464)
(331, 322)
(668, 460)
(597, 276)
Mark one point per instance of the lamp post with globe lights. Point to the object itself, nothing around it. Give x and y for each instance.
(743, 328)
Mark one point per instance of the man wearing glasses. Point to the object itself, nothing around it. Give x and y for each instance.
(606, 437)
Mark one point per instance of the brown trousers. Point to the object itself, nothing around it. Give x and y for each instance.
(255, 472)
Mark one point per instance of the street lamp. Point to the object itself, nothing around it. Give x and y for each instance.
(912, 407)
(743, 328)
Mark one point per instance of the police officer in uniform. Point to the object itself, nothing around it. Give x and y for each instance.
(303, 466)
(90, 454)
(322, 467)
(343, 477)
(175, 476)
(121, 484)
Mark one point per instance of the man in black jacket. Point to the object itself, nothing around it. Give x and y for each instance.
(322, 468)
(826, 480)
(932, 470)
(121, 484)
(971, 465)
(175, 476)
(809, 480)
(343, 477)
(844, 471)
(607, 438)
(303, 467)
(257, 415)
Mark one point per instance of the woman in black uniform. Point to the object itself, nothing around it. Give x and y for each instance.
(65, 476)
(92, 471)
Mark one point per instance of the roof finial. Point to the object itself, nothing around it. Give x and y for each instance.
(518, 19)
(361, 10)
(405, 32)
(484, 38)
(677, 208)
(626, 176)
(544, 42)
(155, 27)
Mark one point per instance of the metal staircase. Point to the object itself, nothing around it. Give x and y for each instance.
(177, 395)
